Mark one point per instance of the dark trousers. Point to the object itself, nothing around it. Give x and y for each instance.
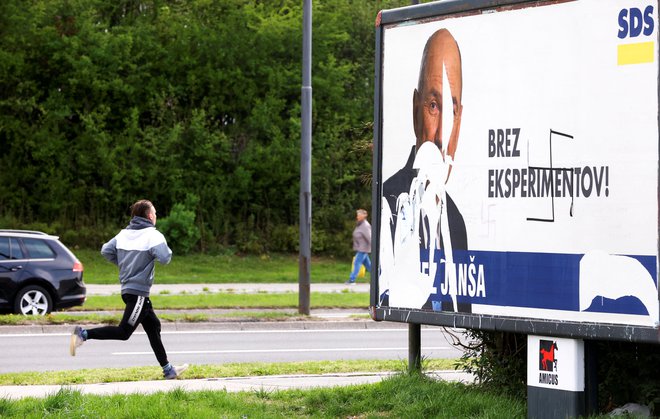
(138, 310)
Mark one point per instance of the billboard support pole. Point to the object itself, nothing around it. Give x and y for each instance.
(305, 258)
(590, 378)
(414, 347)
(414, 330)
(556, 377)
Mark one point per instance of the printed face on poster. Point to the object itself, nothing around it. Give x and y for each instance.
(520, 163)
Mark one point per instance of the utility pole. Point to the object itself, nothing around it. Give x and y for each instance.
(305, 258)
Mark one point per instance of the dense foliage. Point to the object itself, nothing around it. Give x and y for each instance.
(108, 101)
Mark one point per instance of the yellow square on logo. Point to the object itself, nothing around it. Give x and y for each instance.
(638, 53)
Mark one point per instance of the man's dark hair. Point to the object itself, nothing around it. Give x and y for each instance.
(141, 208)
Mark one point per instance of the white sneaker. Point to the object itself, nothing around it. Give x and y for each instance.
(175, 371)
(76, 340)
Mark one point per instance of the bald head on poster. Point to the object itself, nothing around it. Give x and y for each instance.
(437, 103)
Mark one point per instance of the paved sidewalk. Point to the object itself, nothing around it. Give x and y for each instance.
(232, 384)
(97, 289)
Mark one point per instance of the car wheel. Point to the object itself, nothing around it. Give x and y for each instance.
(33, 299)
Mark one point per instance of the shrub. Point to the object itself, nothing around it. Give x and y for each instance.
(498, 360)
(179, 227)
(284, 238)
(249, 239)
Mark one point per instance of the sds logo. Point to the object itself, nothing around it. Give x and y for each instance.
(633, 22)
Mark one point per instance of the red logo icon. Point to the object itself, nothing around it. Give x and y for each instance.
(547, 360)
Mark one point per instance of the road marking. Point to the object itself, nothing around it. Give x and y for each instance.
(253, 351)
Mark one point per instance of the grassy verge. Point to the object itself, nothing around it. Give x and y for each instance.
(404, 396)
(110, 375)
(219, 269)
(225, 300)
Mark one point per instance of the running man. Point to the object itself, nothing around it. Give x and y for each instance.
(135, 250)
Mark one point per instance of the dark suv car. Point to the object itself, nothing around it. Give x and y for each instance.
(38, 274)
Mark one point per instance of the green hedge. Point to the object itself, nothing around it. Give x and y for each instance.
(105, 102)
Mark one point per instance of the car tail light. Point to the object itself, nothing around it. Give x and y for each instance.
(77, 266)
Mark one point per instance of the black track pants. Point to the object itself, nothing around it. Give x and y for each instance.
(138, 310)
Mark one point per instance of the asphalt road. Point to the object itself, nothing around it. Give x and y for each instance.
(50, 351)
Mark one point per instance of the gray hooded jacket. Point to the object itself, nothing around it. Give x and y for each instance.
(362, 237)
(135, 250)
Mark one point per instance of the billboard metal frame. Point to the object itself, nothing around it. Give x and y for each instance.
(559, 328)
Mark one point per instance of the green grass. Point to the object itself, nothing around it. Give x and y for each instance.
(225, 300)
(402, 396)
(248, 369)
(219, 269)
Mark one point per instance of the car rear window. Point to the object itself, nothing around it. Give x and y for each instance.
(38, 249)
(10, 249)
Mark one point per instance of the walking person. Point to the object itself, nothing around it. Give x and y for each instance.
(135, 250)
(361, 245)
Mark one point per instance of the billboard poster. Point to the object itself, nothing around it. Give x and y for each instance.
(518, 168)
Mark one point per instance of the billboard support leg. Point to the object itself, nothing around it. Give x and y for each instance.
(590, 377)
(414, 347)
(555, 377)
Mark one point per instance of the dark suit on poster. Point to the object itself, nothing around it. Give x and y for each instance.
(400, 182)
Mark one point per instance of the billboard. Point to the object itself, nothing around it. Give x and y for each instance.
(516, 167)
